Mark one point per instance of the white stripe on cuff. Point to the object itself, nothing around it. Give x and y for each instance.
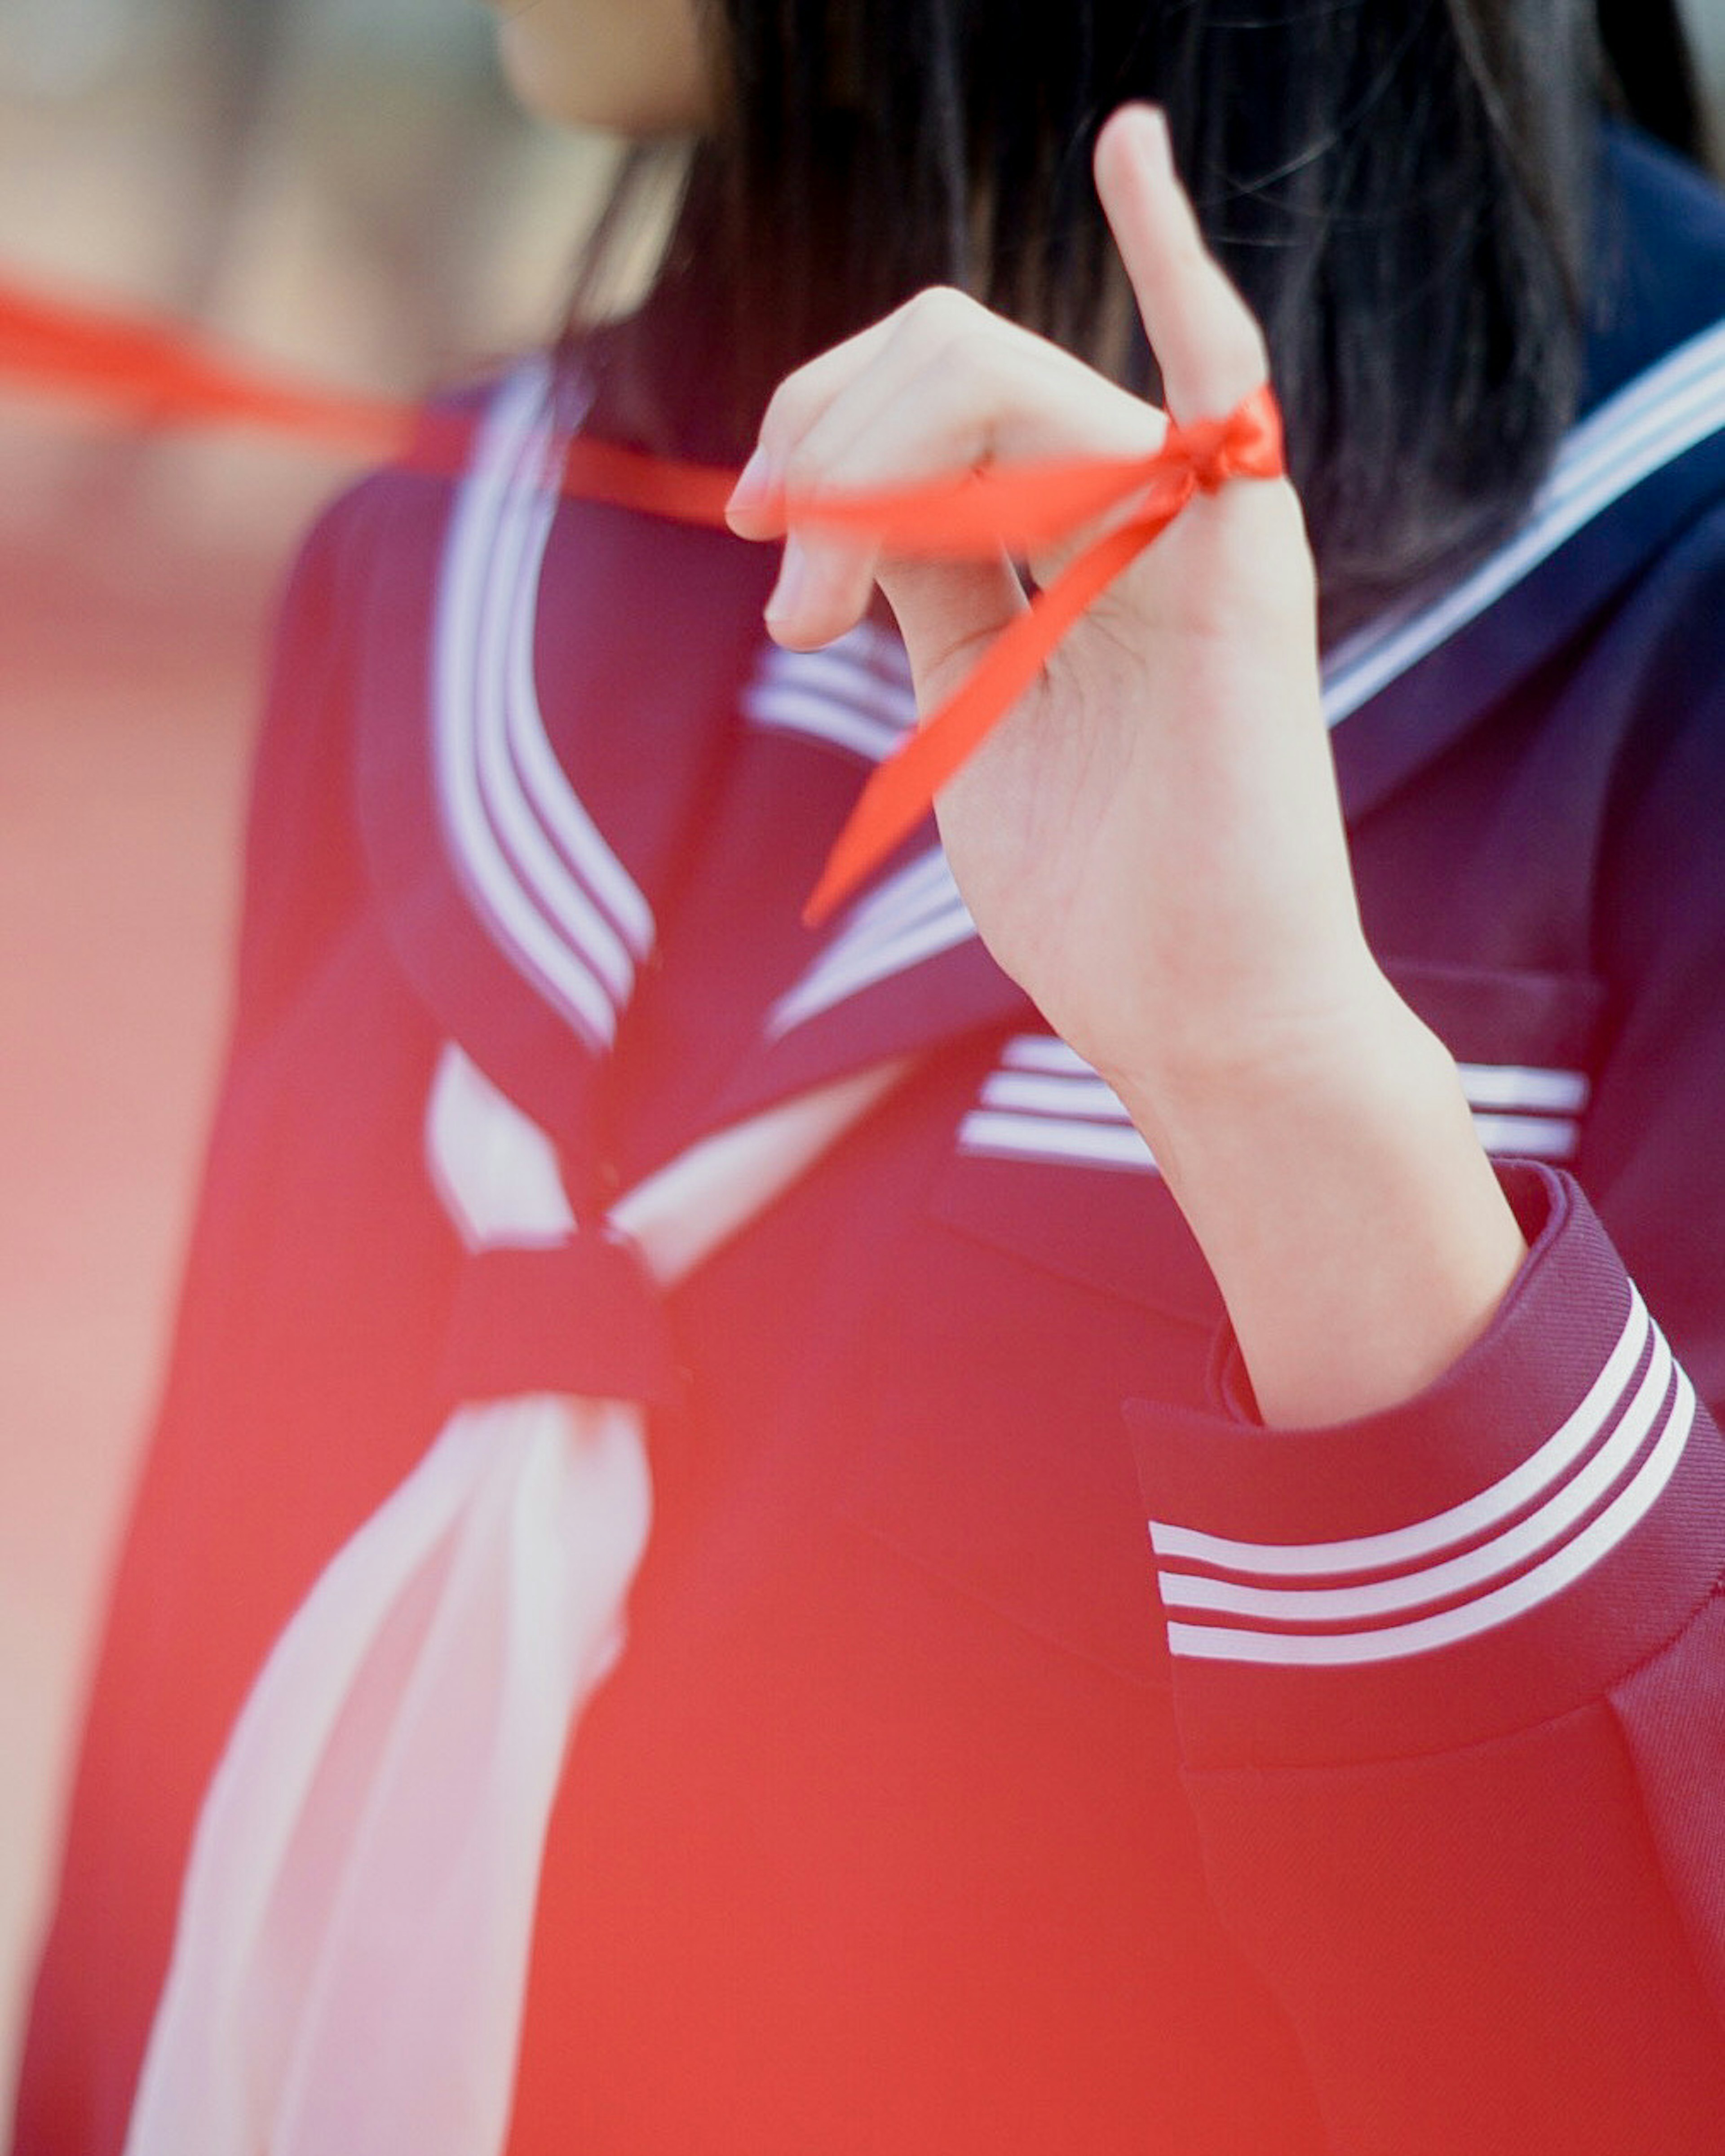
(1551, 1523)
(1459, 1523)
(1486, 1612)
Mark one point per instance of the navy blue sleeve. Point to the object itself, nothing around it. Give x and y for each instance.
(1451, 1694)
(1450, 1680)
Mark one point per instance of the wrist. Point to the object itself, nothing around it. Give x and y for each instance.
(1215, 1079)
(1332, 1177)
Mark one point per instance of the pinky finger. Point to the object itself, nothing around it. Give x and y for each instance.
(824, 588)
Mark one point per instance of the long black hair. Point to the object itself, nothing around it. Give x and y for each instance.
(1401, 188)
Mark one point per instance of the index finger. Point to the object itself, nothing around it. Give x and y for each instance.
(1206, 343)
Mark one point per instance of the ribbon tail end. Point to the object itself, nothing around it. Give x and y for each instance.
(837, 880)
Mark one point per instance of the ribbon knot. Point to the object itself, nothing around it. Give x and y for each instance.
(583, 1316)
(1245, 444)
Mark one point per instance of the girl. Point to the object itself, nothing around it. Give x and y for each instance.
(1247, 1118)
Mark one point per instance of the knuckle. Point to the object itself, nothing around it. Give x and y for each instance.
(937, 312)
(942, 302)
(787, 416)
(801, 473)
(1226, 345)
(975, 344)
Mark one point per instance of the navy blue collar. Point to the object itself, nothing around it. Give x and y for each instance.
(597, 897)
(1644, 458)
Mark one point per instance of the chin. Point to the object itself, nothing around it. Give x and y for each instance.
(563, 91)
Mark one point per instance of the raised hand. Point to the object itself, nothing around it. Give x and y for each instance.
(1151, 842)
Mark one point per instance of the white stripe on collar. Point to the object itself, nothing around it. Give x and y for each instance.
(554, 895)
(855, 693)
(1651, 421)
(912, 916)
(563, 908)
(1043, 1102)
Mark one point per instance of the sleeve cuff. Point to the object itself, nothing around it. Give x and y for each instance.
(1498, 1549)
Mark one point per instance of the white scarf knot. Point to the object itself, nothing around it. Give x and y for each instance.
(350, 1964)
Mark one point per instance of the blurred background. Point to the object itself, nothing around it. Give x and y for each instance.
(340, 187)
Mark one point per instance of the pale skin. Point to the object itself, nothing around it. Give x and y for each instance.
(634, 68)
(1151, 843)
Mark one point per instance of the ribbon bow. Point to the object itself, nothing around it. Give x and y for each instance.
(160, 371)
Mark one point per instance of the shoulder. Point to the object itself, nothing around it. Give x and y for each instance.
(1658, 274)
(1625, 511)
(1663, 652)
(492, 508)
(381, 531)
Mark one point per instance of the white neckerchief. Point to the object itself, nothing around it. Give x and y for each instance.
(350, 1962)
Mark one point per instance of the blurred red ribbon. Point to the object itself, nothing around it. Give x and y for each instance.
(156, 372)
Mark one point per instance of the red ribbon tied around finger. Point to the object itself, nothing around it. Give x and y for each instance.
(1017, 509)
(159, 372)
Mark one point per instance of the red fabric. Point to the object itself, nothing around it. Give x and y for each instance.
(162, 370)
(1043, 500)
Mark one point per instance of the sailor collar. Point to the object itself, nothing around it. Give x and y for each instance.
(556, 858)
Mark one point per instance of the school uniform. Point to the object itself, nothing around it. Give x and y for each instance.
(1016, 1746)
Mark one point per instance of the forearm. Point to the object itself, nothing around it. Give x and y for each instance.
(1355, 1227)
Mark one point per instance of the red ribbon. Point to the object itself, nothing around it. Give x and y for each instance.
(1018, 508)
(155, 371)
